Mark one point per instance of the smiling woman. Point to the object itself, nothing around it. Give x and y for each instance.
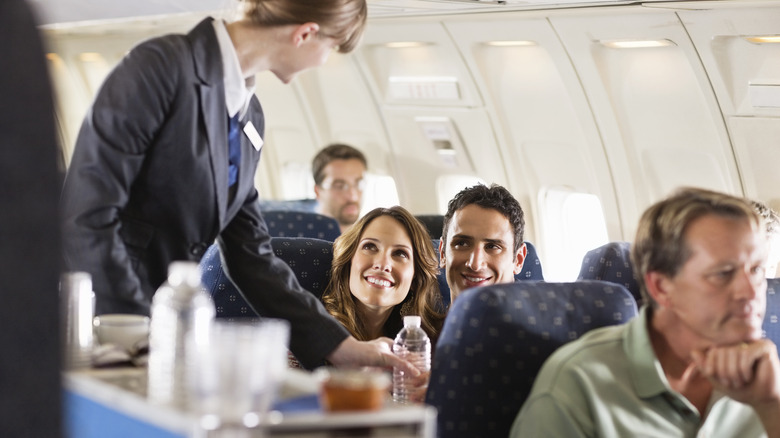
(384, 268)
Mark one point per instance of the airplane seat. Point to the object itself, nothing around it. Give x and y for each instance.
(301, 224)
(532, 266)
(532, 271)
(441, 277)
(496, 338)
(434, 223)
(309, 205)
(310, 259)
(611, 262)
(771, 324)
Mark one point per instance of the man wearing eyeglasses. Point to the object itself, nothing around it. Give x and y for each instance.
(338, 170)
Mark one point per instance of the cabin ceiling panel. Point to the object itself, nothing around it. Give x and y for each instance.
(77, 11)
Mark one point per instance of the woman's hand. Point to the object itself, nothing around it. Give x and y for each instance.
(376, 353)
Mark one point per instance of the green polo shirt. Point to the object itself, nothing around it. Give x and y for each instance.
(609, 383)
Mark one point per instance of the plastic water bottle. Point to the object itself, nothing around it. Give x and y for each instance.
(179, 307)
(413, 345)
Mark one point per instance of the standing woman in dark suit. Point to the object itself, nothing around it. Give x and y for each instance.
(165, 160)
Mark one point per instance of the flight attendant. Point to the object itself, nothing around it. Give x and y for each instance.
(165, 160)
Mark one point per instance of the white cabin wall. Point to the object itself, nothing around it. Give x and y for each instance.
(425, 93)
(655, 108)
(289, 142)
(744, 75)
(546, 127)
(342, 109)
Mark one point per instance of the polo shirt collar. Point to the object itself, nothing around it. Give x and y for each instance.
(646, 372)
(647, 375)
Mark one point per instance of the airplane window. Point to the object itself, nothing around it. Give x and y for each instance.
(297, 182)
(447, 186)
(380, 191)
(572, 223)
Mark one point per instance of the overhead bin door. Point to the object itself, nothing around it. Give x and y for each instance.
(546, 128)
(740, 47)
(434, 115)
(653, 104)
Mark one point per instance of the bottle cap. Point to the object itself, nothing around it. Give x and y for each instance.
(184, 272)
(412, 320)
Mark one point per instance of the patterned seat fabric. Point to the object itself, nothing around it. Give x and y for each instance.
(532, 270)
(301, 224)
(772, 316)
(611, 262)
(532, 266)
(494, 342)
(310, 260)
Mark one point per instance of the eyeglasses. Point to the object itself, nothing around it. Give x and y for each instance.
(343, 186)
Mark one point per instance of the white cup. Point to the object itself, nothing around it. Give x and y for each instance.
(124, 330)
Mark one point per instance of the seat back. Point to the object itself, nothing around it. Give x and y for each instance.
(611, 262)
(309, 205)
(494, 342)
(532, 270)
(532, 266)
(301, 224)
(771, 324)
(434, 223)
(310, 260)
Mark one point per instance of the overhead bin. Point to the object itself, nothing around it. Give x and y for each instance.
(740, 47)
(544, 124)
(415, 64)
(652, 100)
(440, 134)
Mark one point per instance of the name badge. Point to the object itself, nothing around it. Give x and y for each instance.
(253, 135)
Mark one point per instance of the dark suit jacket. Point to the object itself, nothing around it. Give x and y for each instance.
(147, 185)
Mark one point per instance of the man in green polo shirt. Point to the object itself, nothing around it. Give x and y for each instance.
(693, 363)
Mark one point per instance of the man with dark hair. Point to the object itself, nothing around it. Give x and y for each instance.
(693, 363)
(482, 238)
(338, 171)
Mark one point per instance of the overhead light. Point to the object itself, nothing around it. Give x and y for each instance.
(636, 44)
(763, 39)
(405, 44)
(518, 43)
